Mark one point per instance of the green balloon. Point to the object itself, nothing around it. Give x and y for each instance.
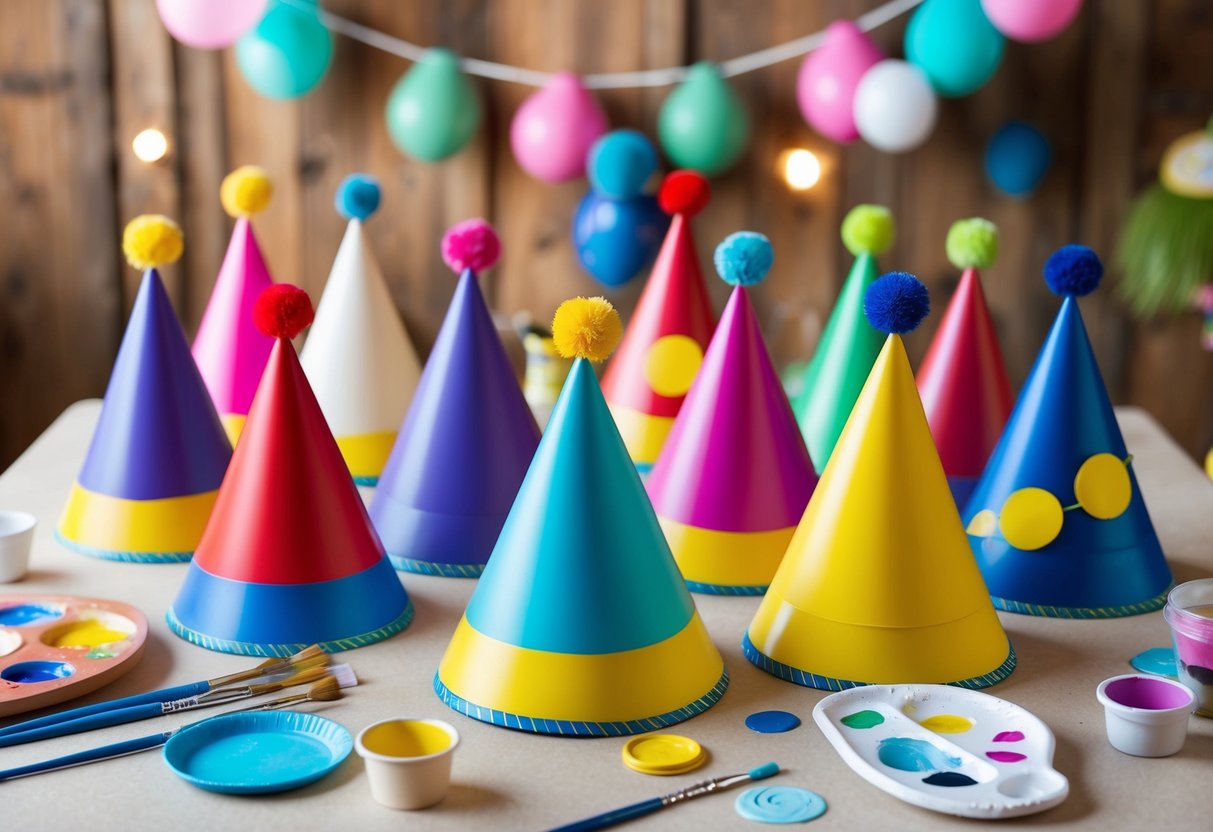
(287, 53)
(433, 110)
(702, 124)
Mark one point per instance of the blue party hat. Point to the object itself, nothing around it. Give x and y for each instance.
(1057, 522)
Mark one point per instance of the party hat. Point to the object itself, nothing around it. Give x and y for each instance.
(962, 381)
(289, 558)
(159, 452)
(734, 477)
(663, 347)
(230, 352)
(581, 624)
(358, 358)
(878, 585)
(848, 345)
(1057, 522)
(468, 437)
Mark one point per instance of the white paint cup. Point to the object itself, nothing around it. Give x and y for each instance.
(408, 760)
(16, 536)
(1147, 716)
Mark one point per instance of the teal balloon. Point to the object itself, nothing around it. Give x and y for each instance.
(433, 110)
(287, 53)
(955, 44)
(702, 124)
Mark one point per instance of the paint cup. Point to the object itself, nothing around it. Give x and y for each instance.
(408, 760)
(16, 536)
(1147, 716)
(1189, 611)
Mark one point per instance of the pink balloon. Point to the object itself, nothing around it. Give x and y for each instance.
(554, 128)
(828, 77)
(1031, 21)
(209, 24)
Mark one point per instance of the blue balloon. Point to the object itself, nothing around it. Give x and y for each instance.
(619, 164)
(955, 44)
(615, 239)
(286, 54)
(1017, 158)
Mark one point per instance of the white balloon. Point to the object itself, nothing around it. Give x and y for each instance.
(895, 107)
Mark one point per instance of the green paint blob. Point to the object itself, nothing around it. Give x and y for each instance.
(433, 110)
(702, 124)
(862, 719)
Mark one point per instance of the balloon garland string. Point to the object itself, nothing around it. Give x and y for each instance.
(604, 80)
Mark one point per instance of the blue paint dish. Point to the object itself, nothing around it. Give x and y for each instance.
(28, 673)
(909, 754)
(23, 615)
(772, 722)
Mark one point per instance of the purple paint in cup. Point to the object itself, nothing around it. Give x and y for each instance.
(1189, 612)
(1147, 716)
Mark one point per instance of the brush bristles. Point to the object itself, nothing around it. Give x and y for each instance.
(344, 674)
(307, 654)
(304, 677)
(326, 690)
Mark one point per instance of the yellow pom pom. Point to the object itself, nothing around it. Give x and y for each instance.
(586, 328)
(246, 191)
(152, 240)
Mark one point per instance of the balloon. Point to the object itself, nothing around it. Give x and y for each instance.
(620, 163)
(895, 107)
(1017, 157)
(433, 110)
(616, 239)
(954, 43)
(1031, 21)
(209, 24)
(702, 125)
(554, 129)
(287, 53)
(826, 85)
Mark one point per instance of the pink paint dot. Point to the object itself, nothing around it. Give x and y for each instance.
(1006, 756)
(1009, 736)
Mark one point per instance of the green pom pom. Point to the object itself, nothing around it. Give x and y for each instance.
(868, 229)
(972, 243)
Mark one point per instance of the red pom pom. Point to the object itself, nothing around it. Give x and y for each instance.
(471, 244)
(684, 192)
(282, 311)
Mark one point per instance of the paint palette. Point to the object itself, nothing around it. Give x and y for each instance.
(945, 748)
(58, 647)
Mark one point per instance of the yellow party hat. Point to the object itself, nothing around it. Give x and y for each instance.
(878, 585)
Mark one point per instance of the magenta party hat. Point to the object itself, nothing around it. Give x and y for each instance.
(230, 351)
(159, 453)
(734, 476)
(468, 437)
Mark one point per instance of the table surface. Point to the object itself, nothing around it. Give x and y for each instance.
(510, 780)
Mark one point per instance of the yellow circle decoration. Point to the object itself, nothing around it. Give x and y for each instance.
(1102, 487)
(1031, 518)
(671, 364)
(983, 524)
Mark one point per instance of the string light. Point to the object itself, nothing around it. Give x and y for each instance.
(150, 145)
(801, 168)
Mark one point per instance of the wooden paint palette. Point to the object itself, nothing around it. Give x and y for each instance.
(58, 647)
(945, 748)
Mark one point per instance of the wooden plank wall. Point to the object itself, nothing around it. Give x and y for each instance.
(78, 79)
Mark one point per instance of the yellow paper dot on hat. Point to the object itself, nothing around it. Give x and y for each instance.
(671, 364)
(983, 524)
(1031, 519)
(1102, 486)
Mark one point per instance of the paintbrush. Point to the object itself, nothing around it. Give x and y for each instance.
(646, 807)
(305, 676)
(326, 689)
(309, 657)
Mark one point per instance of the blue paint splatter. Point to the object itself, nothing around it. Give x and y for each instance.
(23, 615)
(908, 754)
(772, 722)
(1158, 661)
(949, 778)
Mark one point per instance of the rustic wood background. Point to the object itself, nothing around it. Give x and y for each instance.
(79, 78)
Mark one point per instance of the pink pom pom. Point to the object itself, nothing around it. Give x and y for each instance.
(471, 244)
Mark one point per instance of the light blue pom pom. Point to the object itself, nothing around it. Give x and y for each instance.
(357, 197)
(744, 258)
(896, 303)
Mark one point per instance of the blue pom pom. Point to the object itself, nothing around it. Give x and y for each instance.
(357, 197)
(744, 258)
(1073, 270)
(896, 303)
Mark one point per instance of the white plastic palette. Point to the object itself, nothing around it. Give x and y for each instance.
(945, 748)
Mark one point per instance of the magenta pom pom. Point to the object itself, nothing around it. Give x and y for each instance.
(471, 244)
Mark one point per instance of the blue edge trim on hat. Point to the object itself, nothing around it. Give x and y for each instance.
(444, 570)
(1023, 608)
(725, 589)
(812, 680)
(567, 728)
(245, 648)
(124, 557)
